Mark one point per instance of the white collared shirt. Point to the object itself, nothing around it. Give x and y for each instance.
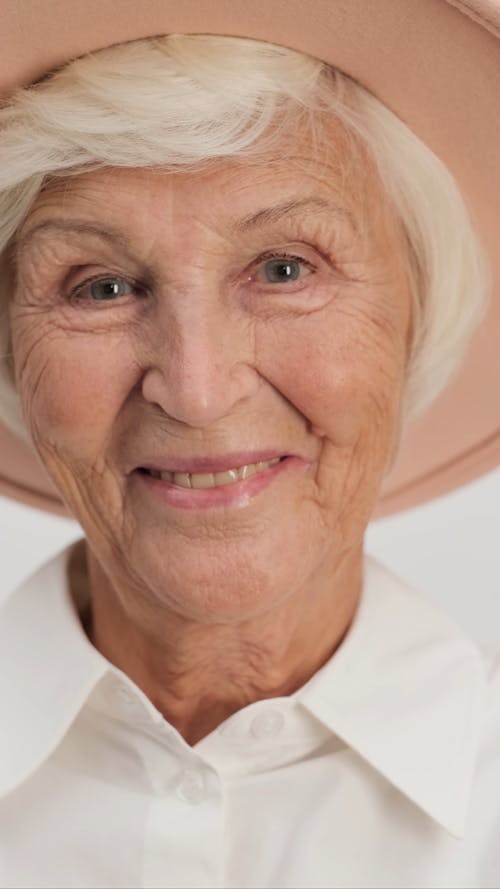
(383, 771)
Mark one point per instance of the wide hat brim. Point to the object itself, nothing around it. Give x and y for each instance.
(434, 63)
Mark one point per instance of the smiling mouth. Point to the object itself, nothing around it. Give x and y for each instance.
(212, 479)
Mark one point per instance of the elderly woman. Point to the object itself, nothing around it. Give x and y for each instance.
(231, 277)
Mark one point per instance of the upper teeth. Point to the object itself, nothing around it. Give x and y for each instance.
(213, 479)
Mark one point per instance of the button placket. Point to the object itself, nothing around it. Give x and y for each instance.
(191, 786)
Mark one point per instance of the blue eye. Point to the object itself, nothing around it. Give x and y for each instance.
(109, 288)
(282, 269)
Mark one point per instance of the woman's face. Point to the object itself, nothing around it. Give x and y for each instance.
(249, 315)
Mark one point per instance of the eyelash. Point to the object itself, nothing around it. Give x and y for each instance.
(76, 293)
(266, 257)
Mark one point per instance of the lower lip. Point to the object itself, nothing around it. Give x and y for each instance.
(236, 494)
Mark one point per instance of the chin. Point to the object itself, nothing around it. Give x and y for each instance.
(214, 580)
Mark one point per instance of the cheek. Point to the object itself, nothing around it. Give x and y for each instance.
(71, 386)
(344, 373)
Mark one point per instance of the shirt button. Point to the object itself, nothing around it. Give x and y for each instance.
(191, 786)
(267, 724)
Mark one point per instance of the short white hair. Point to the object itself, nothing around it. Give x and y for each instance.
(180, 101)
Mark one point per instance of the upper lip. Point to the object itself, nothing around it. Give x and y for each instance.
(221, 463)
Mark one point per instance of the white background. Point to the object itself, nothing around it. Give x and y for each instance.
(449, 550)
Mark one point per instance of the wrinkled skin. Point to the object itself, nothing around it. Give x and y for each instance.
(203, 355)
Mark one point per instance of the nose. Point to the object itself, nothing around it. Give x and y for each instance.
(202, 368)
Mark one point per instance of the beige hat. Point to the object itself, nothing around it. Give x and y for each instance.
(434, 63)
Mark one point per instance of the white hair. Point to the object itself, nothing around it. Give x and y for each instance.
(181, 101)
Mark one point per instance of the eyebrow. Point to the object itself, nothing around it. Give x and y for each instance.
(74, 226)
(292, 207)
(263, 217)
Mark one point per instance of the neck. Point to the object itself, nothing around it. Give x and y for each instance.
(198, 674)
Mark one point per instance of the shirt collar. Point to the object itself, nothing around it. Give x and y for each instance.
(404, 689)
(48, 667)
